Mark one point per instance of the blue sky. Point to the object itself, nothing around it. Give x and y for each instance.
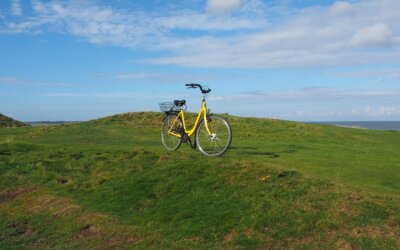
(291, 59)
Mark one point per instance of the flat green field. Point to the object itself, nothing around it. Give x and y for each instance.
(109, 183)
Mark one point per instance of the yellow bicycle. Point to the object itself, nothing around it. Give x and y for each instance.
(213, 134)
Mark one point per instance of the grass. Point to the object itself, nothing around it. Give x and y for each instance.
(108, 183)
(6, 122)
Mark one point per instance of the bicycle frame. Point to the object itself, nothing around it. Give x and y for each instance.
(202, 113)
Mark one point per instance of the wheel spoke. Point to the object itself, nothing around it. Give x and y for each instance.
(205, 133)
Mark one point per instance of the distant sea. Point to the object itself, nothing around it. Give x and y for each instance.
(374, 125)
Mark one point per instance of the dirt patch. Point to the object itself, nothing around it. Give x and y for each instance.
(132, 239)
(356, 232)
(343, 244)
(230, 236)
(21, 229)
(119, 239)
(295, 243)
(355, 197)
(284, 174)
(89, 231)
(374, 232)
(57, 206)
(106, 227)
(7, 195)
(103, 230)
(28, 232)
(62, 181)
(194, 239)
(331, 235)
(347, 209)
(347, 205)
(163, 158)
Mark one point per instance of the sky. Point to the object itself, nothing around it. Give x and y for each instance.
(294, 60)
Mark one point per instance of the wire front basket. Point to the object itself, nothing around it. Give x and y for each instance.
(168, 107)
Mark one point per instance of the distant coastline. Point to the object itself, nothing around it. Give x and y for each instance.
(372, 125)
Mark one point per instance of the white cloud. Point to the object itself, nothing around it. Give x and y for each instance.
(96, 95)
(136, 95)
(135, 75)
(16, 9)
(257, 35)
(223, 6)
(376, 35)
(315, 103)
(341, 7)
(312, 95)
(313, 37)
(382, 75)
(6, 80)
(154, 77)
(382, 111)
(105, 25)
(189, 20)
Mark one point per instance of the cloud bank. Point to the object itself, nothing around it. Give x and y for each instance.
(376, 35)
(254, 34)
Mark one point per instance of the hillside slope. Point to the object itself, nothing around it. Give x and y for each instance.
(108, 183)
(7, 122)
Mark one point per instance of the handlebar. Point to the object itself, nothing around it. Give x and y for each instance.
(196, 85)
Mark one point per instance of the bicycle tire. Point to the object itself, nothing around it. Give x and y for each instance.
(220, 139)
(171, 142)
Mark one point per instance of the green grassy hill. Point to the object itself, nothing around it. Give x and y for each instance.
(7, 122)
(108, 183)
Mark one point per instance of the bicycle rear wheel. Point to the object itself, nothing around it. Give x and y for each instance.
(217, 142)
(170, 123)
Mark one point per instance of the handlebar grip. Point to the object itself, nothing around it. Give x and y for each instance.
(190, 85)
(196, 85)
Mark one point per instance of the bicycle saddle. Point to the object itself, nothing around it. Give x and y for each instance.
(179, 102)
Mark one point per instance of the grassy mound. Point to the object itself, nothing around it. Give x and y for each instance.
(108, 183)
(7, 122)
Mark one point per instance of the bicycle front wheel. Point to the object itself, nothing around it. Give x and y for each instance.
(216, 140)
(171, 124)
